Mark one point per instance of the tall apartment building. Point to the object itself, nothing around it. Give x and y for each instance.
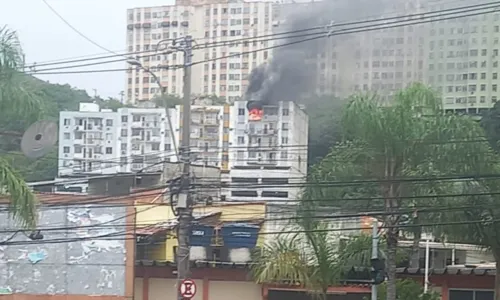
(207, 22)
(94, 141)
(463, 59)
(268, 154)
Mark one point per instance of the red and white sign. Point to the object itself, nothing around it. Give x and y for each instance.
(187, 288)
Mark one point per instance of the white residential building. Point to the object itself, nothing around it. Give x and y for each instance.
(100, 141)
(267, 157)
(208, 22)
(259, 160)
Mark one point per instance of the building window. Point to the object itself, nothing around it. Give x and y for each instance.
(241, 140)
(274, 194)
(123, 132)
(241, 111)
(155, 146)
(286, 112)
(66, 150)
(67, 122)
(109, 122)
(124, 119)
(109, 150)
(67, 135)
(244, 194)
(167, 147)
(284, 126)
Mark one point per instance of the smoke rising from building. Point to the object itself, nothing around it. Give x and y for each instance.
(291, 72)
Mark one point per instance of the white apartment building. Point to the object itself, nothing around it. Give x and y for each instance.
(220, 70)
(267, 157)
(95, 141)
(260, 160)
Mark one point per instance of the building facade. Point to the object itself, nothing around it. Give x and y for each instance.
(260, 159)
(463, 59)
(222, 67)
(100, 141)
(268, 155)
(209, 136)
(69, 257)
(381, 61)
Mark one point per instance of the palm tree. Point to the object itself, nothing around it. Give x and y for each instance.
(16, 103)
(479, 223)
(307, 259)
(386, 146)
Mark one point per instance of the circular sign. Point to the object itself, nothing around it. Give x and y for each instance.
(187, 288)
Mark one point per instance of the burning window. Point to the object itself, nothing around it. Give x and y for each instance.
(255, 111)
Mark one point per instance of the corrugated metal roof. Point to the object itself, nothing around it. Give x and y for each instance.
(400, 271)
(145, 196)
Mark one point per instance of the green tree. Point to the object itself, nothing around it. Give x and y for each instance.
(312, 259)
(308, 259)
(169, 100)
(386, 146)
(491, 124)
(325, 113)
(109, 103)
(408, 289)
(17, 102)
(479, 222)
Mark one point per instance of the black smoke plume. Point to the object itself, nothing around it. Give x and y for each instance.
(291, 72)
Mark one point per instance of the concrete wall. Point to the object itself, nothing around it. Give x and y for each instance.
(68, 260)
(160, 288)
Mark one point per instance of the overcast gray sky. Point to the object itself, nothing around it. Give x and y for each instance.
(46, 38)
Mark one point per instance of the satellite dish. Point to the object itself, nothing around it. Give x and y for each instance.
(39, 139)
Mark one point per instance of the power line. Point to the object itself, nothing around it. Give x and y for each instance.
(420, 16)
(84, 59)
(394, 24)
(76, 30)
(116, 235)
(364, 21)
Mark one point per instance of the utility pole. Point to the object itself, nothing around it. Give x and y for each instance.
(374, 253)
(122, 93)
(184, 203)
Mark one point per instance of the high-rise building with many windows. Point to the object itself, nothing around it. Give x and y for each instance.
(220, 70)
(463, 59)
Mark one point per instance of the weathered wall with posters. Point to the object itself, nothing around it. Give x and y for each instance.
(69, 259)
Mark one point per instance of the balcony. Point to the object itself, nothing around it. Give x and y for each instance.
(210, 137)
(262, 161)
(261, 132)
(270, 118)
(153, 139)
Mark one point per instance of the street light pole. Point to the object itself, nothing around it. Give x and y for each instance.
(185, 200)
(136, 63)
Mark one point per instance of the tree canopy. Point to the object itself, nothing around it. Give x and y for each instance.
(19, 105)
(390, 159)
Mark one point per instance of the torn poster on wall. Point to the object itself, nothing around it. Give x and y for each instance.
(33, 256)
(96, 232)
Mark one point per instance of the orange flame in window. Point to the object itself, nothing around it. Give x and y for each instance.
(255, 114)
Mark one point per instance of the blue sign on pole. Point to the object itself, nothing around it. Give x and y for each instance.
(240, 235)
(201, 235)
